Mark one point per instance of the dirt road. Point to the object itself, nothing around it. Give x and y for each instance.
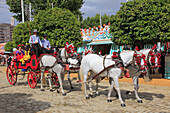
(22, 99)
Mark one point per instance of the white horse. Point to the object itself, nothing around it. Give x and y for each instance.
(134, 71)
(49, 62)
(95, 64)
(73, 61)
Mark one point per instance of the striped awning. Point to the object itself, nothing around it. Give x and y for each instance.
(100, 42)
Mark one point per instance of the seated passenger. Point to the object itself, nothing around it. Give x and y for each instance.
(27, 55)
(46, 44)
(19, 53)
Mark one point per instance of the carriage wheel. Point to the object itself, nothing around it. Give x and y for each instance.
(55, 80)
(11, 75)
(32, 79)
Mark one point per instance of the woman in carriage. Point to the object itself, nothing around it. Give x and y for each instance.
(19, 53)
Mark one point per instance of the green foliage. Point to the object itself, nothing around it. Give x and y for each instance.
(21, 32)
(95, 21)
(140, 22)
(37, 5)
(60, 25)
(10, 45)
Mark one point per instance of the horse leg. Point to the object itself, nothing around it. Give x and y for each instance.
(90, 84)
(61, 84)
(136, 87)
(49, 80)
(83, 75)
(97, 86)
(79, 76)
(68, 76)
(116, 79)
(42, 74)
(110, 80)
(91, 90)
(85, 87)
(110, 90)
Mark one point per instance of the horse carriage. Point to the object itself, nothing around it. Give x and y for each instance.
(32, 65)
(35, 66)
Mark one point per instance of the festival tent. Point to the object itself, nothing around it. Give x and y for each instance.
(100, 39)
(94, 37)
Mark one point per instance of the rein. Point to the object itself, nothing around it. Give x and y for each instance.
(102, 71)
(107, 68)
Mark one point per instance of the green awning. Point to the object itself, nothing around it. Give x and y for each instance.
(100, 42)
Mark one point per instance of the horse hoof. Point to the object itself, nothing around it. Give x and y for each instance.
(98, 94)
(140, 101)
(51, 90)
(127, 92)
(109, 100)
(87, 97)
(123, 105)
(58, 91)
(64, 94)
(92, 96)
(42, 89)
(72, 87)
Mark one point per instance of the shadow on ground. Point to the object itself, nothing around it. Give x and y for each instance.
(142, 95)
(20, 103)
(103, 90)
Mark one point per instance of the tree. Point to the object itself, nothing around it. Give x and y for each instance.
(10, 45)
(140, 22)
(37, 5)
(95, 21)
(60, 25)
(21, 32)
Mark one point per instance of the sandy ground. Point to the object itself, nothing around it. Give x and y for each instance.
(22, 99)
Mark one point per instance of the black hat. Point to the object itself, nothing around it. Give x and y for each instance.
(45, 35)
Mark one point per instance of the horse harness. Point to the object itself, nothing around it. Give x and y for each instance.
(56, 62)
(118, 64)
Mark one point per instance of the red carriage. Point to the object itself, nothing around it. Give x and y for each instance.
(33, 68)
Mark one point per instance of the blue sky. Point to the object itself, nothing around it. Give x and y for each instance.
(89, 8)
(5, 15)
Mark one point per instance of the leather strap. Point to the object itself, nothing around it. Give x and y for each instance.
(104, 65)
(104, 61)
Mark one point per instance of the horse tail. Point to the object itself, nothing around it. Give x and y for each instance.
(82, 77)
